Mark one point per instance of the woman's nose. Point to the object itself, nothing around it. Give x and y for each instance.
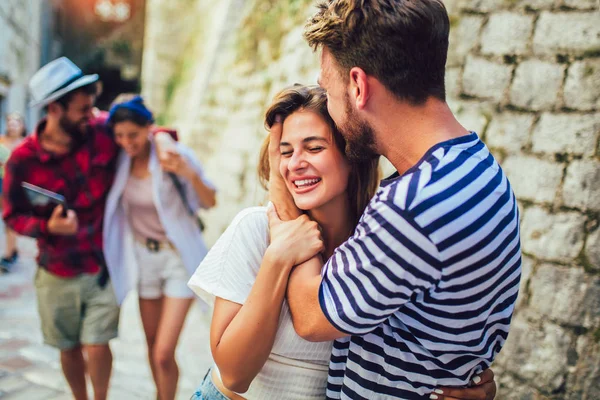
(297, 161)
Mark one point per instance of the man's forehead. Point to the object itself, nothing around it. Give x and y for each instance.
(82, 99)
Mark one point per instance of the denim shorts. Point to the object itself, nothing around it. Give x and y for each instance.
(208, 390)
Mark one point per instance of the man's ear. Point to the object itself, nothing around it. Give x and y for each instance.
(359, 87)
(55, 109)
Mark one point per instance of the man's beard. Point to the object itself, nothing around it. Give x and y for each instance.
(359, 136)
(74, 130)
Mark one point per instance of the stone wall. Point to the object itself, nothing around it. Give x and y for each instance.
(215, 80)
(524, 74)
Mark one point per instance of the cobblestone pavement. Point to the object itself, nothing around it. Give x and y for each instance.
(31, 370)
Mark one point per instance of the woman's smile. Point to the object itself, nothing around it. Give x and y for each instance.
(305, 184)
(315, 170)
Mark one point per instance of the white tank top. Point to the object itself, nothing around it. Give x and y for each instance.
(296, 369)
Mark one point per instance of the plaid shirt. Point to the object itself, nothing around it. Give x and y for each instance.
(84, 177)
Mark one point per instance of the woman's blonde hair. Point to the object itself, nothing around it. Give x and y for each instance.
(364, 175)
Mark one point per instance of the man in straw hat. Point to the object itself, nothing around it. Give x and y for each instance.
(70, 153)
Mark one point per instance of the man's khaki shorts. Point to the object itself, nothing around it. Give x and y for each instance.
(75, 311)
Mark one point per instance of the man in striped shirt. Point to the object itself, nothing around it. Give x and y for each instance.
(422, 294)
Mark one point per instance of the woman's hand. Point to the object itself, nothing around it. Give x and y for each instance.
(296, 241)
(173, 162)
(484, 389)
(278, 191)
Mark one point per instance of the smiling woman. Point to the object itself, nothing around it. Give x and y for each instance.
(303, 110)
(254, 345)
(152, 239)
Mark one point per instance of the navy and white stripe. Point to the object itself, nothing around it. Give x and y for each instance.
(427, 284)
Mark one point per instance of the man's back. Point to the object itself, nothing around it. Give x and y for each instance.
(428, 282)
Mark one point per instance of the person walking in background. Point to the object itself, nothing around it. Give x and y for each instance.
(15, 133)
(71, 153)
(152, 238)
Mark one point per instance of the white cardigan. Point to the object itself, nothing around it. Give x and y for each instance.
(181, 228)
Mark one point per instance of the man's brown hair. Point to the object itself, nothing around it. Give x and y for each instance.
(403, 43)
(364, 175)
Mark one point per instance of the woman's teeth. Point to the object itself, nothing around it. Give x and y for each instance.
(306, 182)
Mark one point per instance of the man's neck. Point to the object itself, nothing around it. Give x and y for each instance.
(52, 134)
(405, 133)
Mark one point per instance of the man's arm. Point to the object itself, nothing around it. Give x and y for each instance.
(303, 299)
(13, 203)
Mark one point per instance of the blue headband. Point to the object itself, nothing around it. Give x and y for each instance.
(136, 105)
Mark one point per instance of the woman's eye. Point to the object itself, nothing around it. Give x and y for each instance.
(286, 153)
(316, 149)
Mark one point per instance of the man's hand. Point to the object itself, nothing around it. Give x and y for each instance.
(173, 162)
(297, 240)
(62, 226)
(484, 389)
(279, 194)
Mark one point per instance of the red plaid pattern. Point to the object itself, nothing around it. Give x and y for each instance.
(84, 177)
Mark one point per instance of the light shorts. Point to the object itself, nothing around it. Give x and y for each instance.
(75, 311)
(161, 273)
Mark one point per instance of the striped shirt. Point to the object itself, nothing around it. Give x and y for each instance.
(427, 284)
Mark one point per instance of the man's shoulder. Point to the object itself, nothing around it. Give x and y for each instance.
(26, 150)
(104, 141)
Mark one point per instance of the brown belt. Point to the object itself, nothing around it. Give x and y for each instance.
(153, 245)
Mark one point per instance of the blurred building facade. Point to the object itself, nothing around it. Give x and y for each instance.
(100, 36)
(523, 74)
(30, 35)
(106, 37)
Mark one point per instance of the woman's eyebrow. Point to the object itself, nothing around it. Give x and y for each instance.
(313, 138)
(306, 140)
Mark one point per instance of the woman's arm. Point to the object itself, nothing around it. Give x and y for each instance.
(205, 193)
(241, 336)
(185, 166)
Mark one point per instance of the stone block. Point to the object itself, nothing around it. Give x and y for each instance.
(452, 80)
(582, 89)
(510, 388)
(464, 35)
(566, 133)
(480, 5)
(533, 179)
(486, 79)
(556, 237)
(584, 382)
(592, 249)
(566, 33)
(537, 353)
(536, 85)
(566, 295)
(507, 33)
(526, 272)
(581, 4)
(31, 392)
(484, 6)
(12, 383)
(581, 188)
(509, 131)
(473, 117)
